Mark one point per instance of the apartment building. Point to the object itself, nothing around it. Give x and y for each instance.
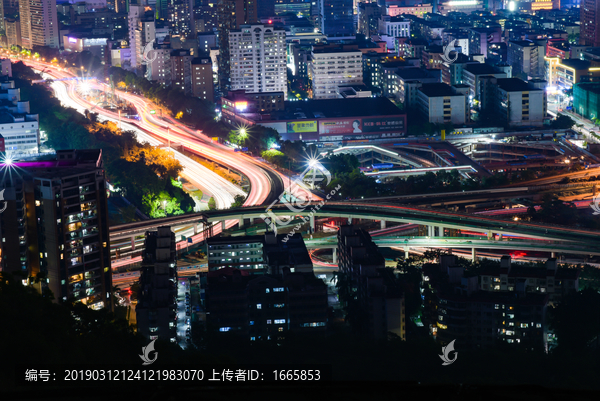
(379, 298)
(56, 223)
(156, 311)
(202, 78)
(258, 59)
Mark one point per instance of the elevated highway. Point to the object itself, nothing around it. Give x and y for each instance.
(421, 216)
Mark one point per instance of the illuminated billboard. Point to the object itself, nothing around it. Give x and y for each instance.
(360, 125)
(241, 106)
(341, 126)
(301, 126)
(383, 124)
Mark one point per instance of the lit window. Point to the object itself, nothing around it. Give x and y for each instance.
(258, 306)
(268, 321)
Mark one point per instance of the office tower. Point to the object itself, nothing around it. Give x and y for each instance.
(202, 78)
(258, 59)
(44, 23)
(338, 19)
(181, 18)
(590, 23)
(56, 223)
(230, 15)
(156, 311)
(24, 11)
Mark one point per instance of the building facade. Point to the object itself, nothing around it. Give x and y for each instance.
(331, 67)
(56, 224)
(258, 59)
(44, 23)
(156, 311)
(202, 78)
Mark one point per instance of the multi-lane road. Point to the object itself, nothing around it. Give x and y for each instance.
(266, 184)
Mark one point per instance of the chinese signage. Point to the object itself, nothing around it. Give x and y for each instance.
(360, 125)
(383, 124)
(301, 126)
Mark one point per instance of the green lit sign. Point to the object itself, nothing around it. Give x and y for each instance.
(152, 111)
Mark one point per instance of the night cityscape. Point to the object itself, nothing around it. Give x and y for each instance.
(298, 198)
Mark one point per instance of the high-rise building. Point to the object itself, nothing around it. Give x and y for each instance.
(136, 13)
(156, 311)
(590, 23)
(13, 32)
(44, 23)
(380, 300)
(337, 18)
(56, 224)
(181, 70)
(180, 18)
(231, 14)
(258, 59)
(25, 13)
(202, 78)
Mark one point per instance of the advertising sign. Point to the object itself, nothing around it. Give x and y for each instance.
(341, 126)
(383, 124)
(301, 126)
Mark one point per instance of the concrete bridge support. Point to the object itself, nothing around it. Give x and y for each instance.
(334, 255)
(133, 243)
(474, 254)
(241, 223)
(312, 224)
(251, 220)
(406, 252)
(223, 226)
(490, 235)
(441, 231)
(382, 224)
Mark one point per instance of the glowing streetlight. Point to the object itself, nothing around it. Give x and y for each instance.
(243, 133)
